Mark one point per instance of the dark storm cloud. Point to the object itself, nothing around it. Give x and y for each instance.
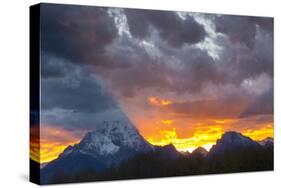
(82, 53)
(55, 67)
(73, 38)
(242, 28)
(73, 98)
(199, 69)
(196, 68)
(78, 34)
(82, 94)
(168, 24)
(75, 120)
(160, 73)
(266, 23)
(263, 104)
(240, 63)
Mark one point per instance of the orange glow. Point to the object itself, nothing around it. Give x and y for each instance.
(224, 121)
(34, 143)
(53, 141)
(203, 138)
(34, 150)
(50, 151)
(184, 135)
(205, 135)
(260, 134)
(158, 102)
(167, 122)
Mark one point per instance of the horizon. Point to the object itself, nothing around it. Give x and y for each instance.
(207, 147)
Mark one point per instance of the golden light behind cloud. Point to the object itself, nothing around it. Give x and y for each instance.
(158, 102)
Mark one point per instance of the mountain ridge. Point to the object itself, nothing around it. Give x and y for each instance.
(119, 143)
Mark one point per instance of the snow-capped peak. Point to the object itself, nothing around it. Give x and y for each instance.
(98, 143)
(110, 138)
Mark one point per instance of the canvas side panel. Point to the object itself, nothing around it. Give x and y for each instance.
(34, 95)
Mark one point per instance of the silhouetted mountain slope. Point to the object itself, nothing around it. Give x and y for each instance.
(267, 143)
(231, 142)
(235, 152)
(186, 153)
(199, 152)
(166, 152)
(99, 150)
(113, 153)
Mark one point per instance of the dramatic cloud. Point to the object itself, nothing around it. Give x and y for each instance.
(172, 72)
(79, 34)
(78, 91)
(73, 98)
(242, 28)
(173, 29)
(263, 104)
(240, 63)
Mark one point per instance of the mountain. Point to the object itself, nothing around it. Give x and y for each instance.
(235, 152)
(267, 142)
(117, 151)
(110, 145)
(199, 152)
(233, 141)
(186, 153)
(166, 152)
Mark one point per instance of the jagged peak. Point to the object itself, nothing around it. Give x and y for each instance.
(115, 125)
(231, 141)
(232, 136)
(109, 138)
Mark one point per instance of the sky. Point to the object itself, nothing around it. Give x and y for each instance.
(181, 78)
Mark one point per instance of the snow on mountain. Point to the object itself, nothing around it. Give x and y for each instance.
(118, 142)
(110, 145)
(108, 140)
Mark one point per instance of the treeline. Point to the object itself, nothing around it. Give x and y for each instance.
(152, 165)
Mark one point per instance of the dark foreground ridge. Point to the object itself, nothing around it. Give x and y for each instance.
(119, 152)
